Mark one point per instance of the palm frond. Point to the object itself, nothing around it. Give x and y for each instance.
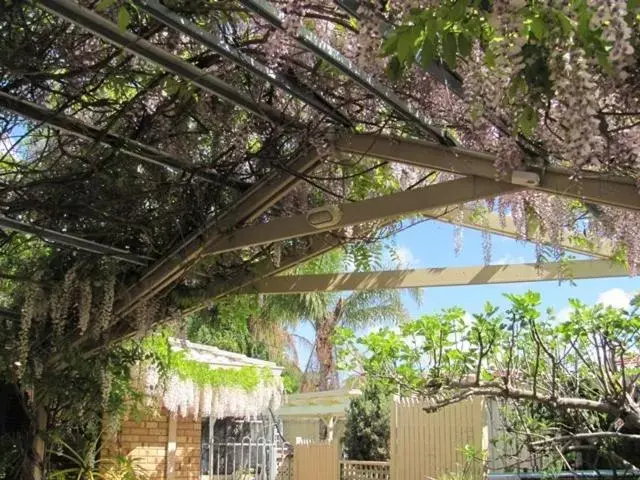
(373, 307)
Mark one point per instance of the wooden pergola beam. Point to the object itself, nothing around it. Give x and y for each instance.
(383, 208)
(595, 188)
(251, 205)
(491, 222)
(438, 277)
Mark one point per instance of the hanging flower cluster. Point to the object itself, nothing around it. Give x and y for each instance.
(200, 388)
(186, 397)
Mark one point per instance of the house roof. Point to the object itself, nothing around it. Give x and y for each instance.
(318, 404)
(221, 358)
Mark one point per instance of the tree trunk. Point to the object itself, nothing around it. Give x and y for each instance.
(324, 350)
(38, 443)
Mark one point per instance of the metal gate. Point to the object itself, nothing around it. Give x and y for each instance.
(240, 449)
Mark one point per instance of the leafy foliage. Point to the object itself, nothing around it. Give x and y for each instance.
(563, 383)
(327, 311)
(367, 427)
(177, 362)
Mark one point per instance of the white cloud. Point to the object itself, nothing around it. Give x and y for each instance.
(509, 259)
(405, 256)
(615, 297)
(563, 315)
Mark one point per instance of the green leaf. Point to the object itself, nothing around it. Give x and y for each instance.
(405, 46)
(390, 44)
(528, 120)
(104, 5)
(459, 9)
(427, 52)
(537, 27)
(124, 18)
(449, 49)
(464, 45)
(394, 68)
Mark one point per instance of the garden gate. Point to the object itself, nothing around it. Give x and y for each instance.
(239, 449)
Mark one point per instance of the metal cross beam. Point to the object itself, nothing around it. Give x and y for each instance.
(110, 32)
(73, 241)
(317, 244)
(437, 277)
(208, 39)
(126, 146)
(323, 50)
(605, 190)
(491, 222)
(384, 208)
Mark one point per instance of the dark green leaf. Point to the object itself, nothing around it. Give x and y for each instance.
(464, 45)
(449, 49)
(390, 44)
(407, 43)
(427, 52)
(528, 120)
(458, 10)
(394, 68)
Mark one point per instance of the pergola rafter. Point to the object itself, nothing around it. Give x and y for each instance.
(377, 209)
(322, 50)
(126, 146)
(74, 241)
(597, 188)
(505, 227)
(438, 277)
(166, 16)
(110, 32)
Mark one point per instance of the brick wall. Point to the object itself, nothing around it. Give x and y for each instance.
(147, 441)
(188, 447)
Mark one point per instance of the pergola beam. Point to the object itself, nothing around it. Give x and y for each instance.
(597, 188)
(80, 129)
(208, 39)
(73, 241)
(435, 68)
(401, 204)
(110, 32)
(438, 277)
(246, 209)
(491, 222)
(323, 50)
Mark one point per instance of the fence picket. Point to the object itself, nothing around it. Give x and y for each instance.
(429, 444)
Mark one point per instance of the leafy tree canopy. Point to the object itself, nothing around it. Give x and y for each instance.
(567, 383)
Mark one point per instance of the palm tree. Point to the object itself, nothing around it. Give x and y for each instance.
(326, 312)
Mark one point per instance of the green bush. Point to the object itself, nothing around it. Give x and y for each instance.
(367, 427)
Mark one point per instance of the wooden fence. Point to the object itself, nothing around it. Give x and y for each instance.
(427, 445)
(423, 445)
(316, 461)
(358, 470)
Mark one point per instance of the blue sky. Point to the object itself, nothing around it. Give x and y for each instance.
(431, 244)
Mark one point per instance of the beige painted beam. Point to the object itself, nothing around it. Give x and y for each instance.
(437, 277)
(382, 208)
(491, 222)
(251, 205)
(601, 189)
(172, 436)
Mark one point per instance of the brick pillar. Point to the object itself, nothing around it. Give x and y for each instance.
(149, 442)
